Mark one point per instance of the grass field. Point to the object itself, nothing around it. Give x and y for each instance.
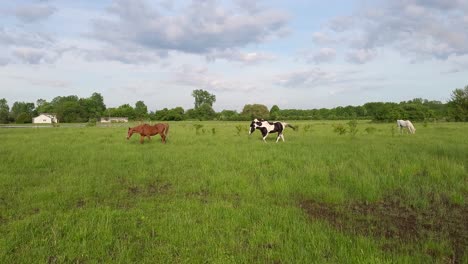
(87, 195)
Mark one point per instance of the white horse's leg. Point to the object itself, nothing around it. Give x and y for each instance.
(282, 137)
(265, 137)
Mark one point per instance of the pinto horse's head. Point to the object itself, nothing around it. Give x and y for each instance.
(130, 132)
(255, 123)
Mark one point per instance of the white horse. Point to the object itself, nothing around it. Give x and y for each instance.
(406, 123)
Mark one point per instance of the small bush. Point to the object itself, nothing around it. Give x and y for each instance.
(370, 130)
(425, 123)
(91, 122)
(307, 128)
(352, 127)
(239, 129)
(213, 131)
(197, 128)
(339, 129)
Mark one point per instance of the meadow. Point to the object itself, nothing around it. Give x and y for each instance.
(213, 195)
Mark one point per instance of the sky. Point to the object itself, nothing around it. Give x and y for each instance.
(300, 54)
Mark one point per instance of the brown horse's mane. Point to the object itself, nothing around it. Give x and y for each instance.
(146, 130)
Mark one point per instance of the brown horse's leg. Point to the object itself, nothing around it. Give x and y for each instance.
(163, 138)
(141, 139)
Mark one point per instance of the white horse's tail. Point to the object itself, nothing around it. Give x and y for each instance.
(411, 127)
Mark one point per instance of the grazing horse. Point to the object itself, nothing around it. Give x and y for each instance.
(406, 123)
(146, 130)
(269, 127)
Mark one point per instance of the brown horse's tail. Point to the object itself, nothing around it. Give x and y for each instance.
(166, 130)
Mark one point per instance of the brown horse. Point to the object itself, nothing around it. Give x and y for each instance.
(146, 130)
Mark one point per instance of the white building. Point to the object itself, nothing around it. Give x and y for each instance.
(45, 118)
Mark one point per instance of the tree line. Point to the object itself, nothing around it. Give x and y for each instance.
(71, 109)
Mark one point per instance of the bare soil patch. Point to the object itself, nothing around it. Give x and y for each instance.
(392, 219)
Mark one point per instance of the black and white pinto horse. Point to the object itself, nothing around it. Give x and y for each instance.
(269, 127)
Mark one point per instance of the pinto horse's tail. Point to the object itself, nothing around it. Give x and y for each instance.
(289, 125)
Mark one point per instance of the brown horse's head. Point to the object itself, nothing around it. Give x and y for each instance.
(130, 132)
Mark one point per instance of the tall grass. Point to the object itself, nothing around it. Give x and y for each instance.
(85, 194)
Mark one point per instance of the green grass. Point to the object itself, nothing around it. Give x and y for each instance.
(87, 195)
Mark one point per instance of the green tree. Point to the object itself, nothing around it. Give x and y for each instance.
(69, 109)
(42, 106)
(26, 110)
(228, 115)
(4, 111)
(205, 112)
(274, 112)
(458, 104)
(94, 106)
(252, 111)
(176, 114)
(203, 97)
(141, 110)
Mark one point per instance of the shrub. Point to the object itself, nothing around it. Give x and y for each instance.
(91, 122)
(197, 128)
(370, 130)
(352, 127)
(339, 128)
(239, 129)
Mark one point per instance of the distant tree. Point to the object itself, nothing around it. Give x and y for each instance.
(458, 104)
(26, 110)
(274, 112)
(161, 114)
(205, 112)
(94, 106)
(141, 110)
(70, 109)
(228, 115)
(126, 110)
(252, 111)
(23, 118)
(176, 114)
(4, 111)
(42, 106)
(203, 97)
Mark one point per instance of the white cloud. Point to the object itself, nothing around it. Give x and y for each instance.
(243, 57)
(418, 29)
(201, 78)
(34, 12)
(202, 27)
(322, 38)
(323, 55)
(361, 56)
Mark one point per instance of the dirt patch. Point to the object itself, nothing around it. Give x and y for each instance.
(153, 188)
(158, 188)
(201, 195)
(80, 203)
(392, 219)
